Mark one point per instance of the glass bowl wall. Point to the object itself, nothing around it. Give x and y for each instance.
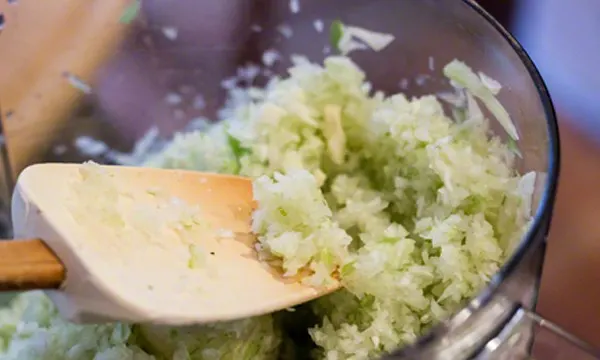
(171, 66)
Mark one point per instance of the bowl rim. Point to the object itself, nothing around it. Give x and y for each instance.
(540, 225)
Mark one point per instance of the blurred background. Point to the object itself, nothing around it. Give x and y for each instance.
(562, 37)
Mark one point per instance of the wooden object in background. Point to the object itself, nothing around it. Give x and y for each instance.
(40, 41)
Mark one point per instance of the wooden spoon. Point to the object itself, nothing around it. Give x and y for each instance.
(142, 245)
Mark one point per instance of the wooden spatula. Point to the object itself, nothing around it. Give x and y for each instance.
(141, 245)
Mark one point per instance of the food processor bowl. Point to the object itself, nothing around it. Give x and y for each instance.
(122, 74)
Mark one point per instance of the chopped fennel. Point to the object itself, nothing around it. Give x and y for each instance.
(170, 32)
(89, 146)
(173, 99)
(461, 74)
(350, 38)
(431, 63)
(411, 211)
(514, 147)
(493, 85)
(77, 82)
(285, 30)
(334, 132)
(294, 6)
(319, 25)
(269, 57)
(225, 234)
(197, 257)
(526, 188)
(375, 40)
(131, 12)
(147, 218)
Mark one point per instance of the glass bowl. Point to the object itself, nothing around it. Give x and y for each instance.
(119, 78)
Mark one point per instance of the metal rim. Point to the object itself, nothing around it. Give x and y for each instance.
(546, 203)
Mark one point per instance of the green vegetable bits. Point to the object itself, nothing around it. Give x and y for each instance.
(412, 211)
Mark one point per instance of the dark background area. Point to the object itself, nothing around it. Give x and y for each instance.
(502, 10)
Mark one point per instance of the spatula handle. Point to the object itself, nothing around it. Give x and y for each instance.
(29, 265)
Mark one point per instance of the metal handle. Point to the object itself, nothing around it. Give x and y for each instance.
(529, 336)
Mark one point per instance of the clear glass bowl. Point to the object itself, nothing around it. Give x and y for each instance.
(104, 90)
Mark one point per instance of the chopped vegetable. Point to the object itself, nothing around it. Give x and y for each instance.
(249, 339)
(318, 25)
(170, 32)
(197, 257)
(295, 224)
(131, 12)
(285, 30)
(335, 33)
(33, 330)
(294, 6)
(334, 133)
(411, 211)
(514, 147)
(350, 38)
(89, 146)
(225, 234)
(375, 40)
(269, 57)
(77, 82)
(490, 83)
(465, 77)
